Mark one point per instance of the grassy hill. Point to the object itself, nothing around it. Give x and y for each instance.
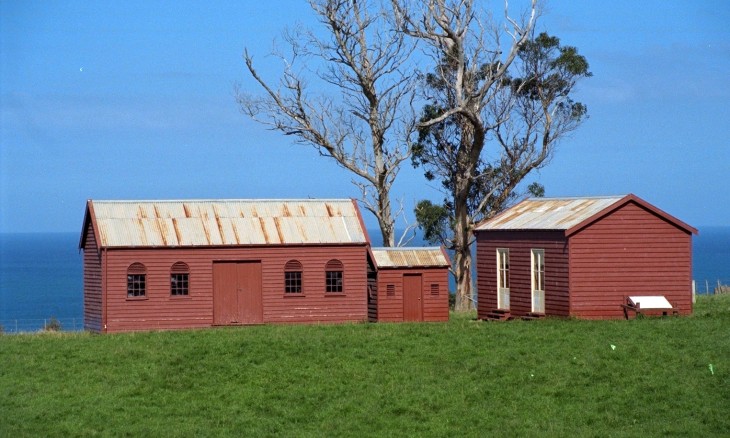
(644, 377)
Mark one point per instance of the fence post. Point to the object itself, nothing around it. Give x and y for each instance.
(694, 292)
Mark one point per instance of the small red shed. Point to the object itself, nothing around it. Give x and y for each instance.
(581, 257)
(182, 264)
(412, 285)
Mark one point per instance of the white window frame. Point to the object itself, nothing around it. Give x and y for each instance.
(503, 278)
(537, 279)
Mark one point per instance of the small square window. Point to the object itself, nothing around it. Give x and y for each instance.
(179, 284)
(293, 282)
(390, 290)
(333, 281)
(135, 285)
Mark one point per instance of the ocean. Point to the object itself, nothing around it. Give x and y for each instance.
(41, 275)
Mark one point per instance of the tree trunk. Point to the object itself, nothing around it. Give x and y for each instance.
(462, 252)
(385, 220)
(462, 261)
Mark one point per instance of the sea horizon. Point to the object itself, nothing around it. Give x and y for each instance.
(41, 274)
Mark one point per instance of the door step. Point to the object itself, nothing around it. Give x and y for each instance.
(533, 315)
(498, 315)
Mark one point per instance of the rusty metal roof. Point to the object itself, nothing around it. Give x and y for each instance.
(410, 257)
(548, 213)
(226, 222)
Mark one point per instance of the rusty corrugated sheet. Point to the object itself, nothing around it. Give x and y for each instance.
(548, 213)
(409, 257)
(227, 222)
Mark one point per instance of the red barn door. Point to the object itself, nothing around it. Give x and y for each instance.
(237, 293)
(412, 298)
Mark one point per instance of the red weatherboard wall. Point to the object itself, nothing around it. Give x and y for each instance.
(159, 310)
(92, 283)
(435, 306)
(520, 244)
(631, 251)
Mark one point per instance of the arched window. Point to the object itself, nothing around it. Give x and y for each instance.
(293, 277)
(179, 279)
(333, 276)
(136, 280)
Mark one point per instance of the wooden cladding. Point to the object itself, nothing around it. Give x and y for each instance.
(334, 265)
(237, 293)
(521, 245)
(293, 265)
(631, 250)
(136, 269)
(413, 294)
(180, 268)
(160, 309)
(93, 296)
(435, 288)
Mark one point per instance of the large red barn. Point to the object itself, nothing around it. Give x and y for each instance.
(182, 264)
(581, 257)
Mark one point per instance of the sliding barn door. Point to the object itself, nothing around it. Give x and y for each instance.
(237, 297)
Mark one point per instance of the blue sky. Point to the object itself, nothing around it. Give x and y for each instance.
(134, 100)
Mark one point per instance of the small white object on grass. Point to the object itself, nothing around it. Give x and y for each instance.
(712, 370)
(613, 347)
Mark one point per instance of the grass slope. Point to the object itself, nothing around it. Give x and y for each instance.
(549, 377)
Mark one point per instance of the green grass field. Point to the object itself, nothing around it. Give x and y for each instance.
(461, 378)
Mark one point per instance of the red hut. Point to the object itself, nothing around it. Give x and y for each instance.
(181, 264)
(412, 285)
(582, 257)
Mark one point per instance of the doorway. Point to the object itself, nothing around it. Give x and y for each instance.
(237, 297)
(412, 298)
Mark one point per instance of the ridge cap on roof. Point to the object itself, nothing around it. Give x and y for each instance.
(401, 248)
(137, 201)
(568, 198)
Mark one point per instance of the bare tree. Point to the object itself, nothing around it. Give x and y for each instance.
(357, 115)
(495, 111)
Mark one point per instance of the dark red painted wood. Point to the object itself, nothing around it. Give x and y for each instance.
(160, 310)
(632, 251)
(412, 297)
(250, 306)
(435, 307)
(520, 245)
(225, 293)
(92, 283)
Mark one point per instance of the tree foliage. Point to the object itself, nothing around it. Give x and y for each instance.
(494, 112)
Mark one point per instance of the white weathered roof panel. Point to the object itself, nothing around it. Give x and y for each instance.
(548, 213)
(410, 257)
(227, 222)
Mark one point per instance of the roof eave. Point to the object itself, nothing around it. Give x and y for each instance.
(89, 217)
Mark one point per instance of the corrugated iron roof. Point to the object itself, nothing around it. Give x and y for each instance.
(226, 222)
(410, 257)
(548, 213)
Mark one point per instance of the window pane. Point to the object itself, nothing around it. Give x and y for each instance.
(179, 284)
(136, 285)
(503, 268)
(538, 269)
(293, 282)
(333, 281)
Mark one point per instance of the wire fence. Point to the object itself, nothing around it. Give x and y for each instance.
(712, 287)
(39, 325)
